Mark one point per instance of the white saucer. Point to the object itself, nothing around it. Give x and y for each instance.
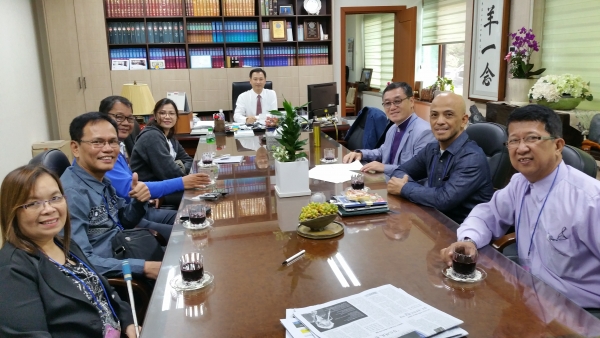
(206, 224)
(178, 284)
(479, 275)
(328, 161)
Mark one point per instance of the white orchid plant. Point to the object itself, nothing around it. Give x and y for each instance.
(554, 87)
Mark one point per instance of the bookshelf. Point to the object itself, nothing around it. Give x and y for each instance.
(171, 34)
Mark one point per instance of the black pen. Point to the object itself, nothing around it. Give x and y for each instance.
(293, 257)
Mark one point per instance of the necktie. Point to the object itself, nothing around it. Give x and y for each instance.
(258, 106)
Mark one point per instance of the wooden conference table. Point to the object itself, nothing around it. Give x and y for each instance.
(254, 232)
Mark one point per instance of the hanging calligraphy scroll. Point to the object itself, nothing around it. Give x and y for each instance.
(489, 42)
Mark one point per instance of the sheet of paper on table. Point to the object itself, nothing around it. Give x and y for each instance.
(230, 159)
(334, 173)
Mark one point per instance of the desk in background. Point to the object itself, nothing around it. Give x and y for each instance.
(190, 142)
(254, 232)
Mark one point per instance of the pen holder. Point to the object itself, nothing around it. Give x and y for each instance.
(219, 126)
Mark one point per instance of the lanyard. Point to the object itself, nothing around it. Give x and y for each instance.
(108, 213)
(539, 214)
(434, 165)
(72, 274)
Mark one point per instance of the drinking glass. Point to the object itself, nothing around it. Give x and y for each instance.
(207, 158)
(358, 182)
(464, 264)
(211, 170)
(191, 266)
(329, 154)
(197, 214)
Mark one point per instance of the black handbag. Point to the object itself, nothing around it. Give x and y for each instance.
(137, 243)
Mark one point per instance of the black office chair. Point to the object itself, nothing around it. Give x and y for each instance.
(57, 162)
(239, 87)
(580, 160)
(356, 138)
(491, 138)
(130, 140)
(54, 160)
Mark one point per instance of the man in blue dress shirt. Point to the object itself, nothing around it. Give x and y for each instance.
(455, 168)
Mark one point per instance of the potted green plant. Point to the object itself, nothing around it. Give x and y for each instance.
(442, 84)
(291, 164)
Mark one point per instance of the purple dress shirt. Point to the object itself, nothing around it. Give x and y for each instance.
(397, 139)
(565, 251)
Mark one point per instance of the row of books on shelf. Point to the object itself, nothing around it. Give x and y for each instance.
(138, 8)
(202, 8)
(135, 32)
(269, 7)
(238, 7)
(216, 55)
(235, 31)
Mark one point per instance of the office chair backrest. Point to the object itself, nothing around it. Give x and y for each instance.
(239, 87)
(491, 137)
(580, 160)
(130, 140)
(54, 160)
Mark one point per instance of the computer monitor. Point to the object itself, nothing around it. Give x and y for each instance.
(323, 99)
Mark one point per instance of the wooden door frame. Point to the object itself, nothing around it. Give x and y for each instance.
(396, 10)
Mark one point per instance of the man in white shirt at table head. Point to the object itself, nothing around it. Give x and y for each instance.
(254, 105)
(554, 207)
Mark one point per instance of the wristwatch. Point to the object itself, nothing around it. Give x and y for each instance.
(467, 239)
(358, 151)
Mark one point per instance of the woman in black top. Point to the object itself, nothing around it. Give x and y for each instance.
(49, 288)
(157, 155)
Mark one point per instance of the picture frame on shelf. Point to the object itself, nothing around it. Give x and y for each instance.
(366, 75)
(157, 64)
(286, 10)
(138, 64)
(278, 30)
(312, 30)
(120, 65)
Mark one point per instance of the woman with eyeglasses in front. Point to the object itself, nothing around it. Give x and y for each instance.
(49, 288)
(157, 155)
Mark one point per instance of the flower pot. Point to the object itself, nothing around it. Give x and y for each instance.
(565, 103)
(291, 178)
(517, 90)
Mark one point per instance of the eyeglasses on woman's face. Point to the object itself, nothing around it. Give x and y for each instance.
(38, 205)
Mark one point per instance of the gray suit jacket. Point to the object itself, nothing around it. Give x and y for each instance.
(417, 135)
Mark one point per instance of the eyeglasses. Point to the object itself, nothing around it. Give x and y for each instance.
(99, 144)
(164, 113)
(120, 118)
(396, 103)
(36, 205)
(529, 140)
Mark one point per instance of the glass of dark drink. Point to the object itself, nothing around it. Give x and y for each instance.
(197, 214)
(358, 182)
(464, 264)
(329, 154)
(192, 267)
(207, 158)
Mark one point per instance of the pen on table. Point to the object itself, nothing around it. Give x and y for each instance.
(293, 257)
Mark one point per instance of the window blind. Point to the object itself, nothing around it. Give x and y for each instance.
(571, 43)
(443, 21)
(378, 30)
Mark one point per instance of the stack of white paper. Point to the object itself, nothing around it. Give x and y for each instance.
(335, 173)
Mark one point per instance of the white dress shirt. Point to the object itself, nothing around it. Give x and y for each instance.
(246, 105)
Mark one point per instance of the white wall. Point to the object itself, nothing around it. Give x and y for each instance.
(24, 111)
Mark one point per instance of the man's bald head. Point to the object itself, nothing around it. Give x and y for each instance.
(448, 118)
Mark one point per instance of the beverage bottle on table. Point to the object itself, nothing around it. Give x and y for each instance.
(211, 142)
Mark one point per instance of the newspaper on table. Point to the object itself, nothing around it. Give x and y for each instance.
(385, 311)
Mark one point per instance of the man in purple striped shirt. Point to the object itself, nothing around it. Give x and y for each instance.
(554, 207)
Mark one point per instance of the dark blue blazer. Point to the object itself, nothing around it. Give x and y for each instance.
(38, 300)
